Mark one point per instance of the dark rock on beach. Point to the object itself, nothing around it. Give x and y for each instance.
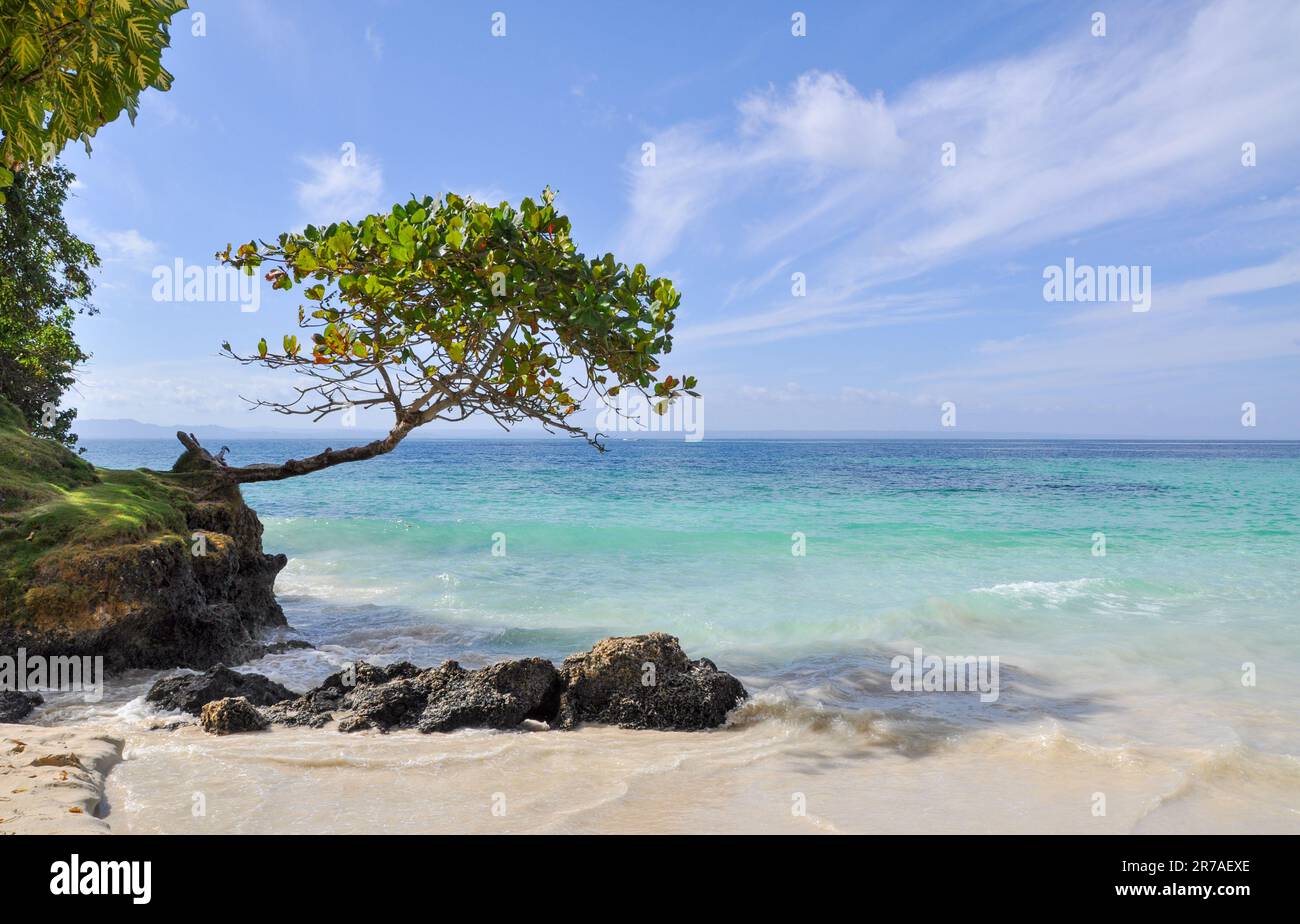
(230, 716)
(317, 707)
(645, 681)
(293, 713)
(15, 704)
(396, 703)
(191, 692)
(500, 696)
(442, 698)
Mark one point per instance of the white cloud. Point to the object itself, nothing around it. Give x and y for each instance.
(335, 189)
(128, 245)
(683, 184)
(487, 195)
(822, 121)
(118, 246)
(1065, 140)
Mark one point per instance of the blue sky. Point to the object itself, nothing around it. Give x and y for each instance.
(775, 154)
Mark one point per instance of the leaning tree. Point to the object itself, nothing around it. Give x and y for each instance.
(443, 309)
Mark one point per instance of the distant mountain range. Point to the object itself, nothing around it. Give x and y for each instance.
(126, 428)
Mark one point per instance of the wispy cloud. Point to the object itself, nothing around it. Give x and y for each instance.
(821, 125)
(1195, 324)
(339, 187)
(125, 246)
(811, 316)
(1068, 139)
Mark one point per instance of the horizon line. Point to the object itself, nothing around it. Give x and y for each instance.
(267, 433)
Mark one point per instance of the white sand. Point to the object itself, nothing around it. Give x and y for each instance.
(772, 770)
(52, 779)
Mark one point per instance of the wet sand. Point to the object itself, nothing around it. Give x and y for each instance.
(759, 775)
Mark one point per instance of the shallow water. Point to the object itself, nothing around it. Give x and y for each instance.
(1120, 675)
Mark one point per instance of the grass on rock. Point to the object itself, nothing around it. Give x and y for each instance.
(54, 503)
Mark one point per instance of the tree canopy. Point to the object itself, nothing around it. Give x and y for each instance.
(442, 309)
(44, 283)
(68, 67)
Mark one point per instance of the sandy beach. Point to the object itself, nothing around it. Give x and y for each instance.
(776, 767)
(52, 778)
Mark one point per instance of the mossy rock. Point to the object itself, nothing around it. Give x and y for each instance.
(54, 503)
(31, 470)
(103, 562)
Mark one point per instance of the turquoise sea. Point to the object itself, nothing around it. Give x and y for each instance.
(1182, 639)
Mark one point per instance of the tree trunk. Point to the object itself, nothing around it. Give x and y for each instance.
(291, 468)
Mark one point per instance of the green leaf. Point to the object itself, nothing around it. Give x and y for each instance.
(82, 63)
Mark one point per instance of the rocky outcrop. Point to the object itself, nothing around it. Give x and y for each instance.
(442, 698)
(191, 692)
(153, 604)
(144, 568)
(231, 715)
(644, 681)
(15, 705)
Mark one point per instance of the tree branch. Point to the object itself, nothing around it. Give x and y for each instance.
(263, 471)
